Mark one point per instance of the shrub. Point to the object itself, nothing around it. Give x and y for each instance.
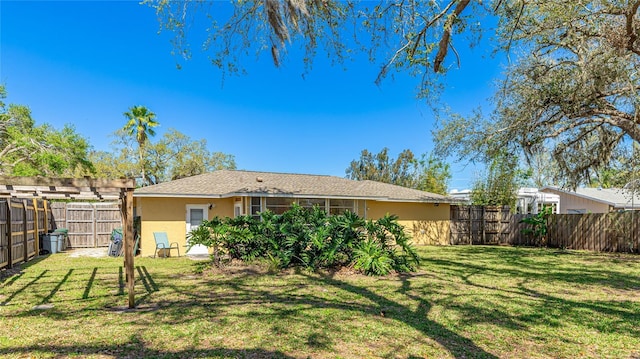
(538, 225)
(312, 239)
(240, 240)
(372, 258)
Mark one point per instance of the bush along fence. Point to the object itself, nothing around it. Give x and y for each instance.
(21, 224)
(604, 232)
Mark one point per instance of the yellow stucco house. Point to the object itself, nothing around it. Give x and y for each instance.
(177, 206)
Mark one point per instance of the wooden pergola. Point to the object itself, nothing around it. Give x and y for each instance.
(86, 189)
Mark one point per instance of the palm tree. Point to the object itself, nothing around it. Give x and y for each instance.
(140, 124)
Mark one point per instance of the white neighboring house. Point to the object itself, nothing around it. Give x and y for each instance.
(530, 200)
(461, 197)
(595, 200)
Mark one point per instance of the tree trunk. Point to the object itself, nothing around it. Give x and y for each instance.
(141, 162)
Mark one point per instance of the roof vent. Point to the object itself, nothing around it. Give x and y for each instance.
(258, 179)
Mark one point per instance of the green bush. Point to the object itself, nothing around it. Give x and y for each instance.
(538, 225)
(241, 241)
(372, 257)
(312, 239)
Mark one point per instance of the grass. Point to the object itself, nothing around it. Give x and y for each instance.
(465, 302)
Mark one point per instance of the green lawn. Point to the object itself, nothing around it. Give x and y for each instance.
(465, 302)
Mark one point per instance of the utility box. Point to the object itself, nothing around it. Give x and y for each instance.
(51, 242)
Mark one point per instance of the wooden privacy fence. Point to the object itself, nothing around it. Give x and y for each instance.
(89, 224)
(21, 224)
(480, 224)
(602, 232)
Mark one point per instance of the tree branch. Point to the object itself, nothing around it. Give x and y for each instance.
(630, 15)
(446, 35)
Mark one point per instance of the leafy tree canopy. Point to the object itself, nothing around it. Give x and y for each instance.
(27, 149)
(410, 35)
(571, 94)
(570, 91)
(173, 156)
(622, 172)
(428, 174)
(500, 185)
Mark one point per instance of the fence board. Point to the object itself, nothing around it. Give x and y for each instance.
(58, 217)
(30, 230)
(17, 231)
(480, 225)
(604, 232)
(89, 224)
(107, 217)
(41, 212)
(4, 235)
(80, 222)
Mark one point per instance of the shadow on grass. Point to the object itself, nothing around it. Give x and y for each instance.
(292, 305)
(87, 289)
(457, 345)
(174, 298)
(24, 287)
(55, 289)
(536, 264)
(147, 281)
(135, 348)
(9, 275)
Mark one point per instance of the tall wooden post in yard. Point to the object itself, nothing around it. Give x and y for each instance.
(128, 245)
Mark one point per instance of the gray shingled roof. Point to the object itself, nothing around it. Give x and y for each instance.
(616, 197)
(228, 183)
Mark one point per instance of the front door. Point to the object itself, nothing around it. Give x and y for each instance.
(196, 213)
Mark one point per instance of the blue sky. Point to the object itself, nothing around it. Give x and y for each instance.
(86, 62)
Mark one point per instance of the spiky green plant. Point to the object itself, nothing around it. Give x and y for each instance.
(372, 258)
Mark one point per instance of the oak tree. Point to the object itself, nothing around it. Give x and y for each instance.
(571, 93)
(28, 149)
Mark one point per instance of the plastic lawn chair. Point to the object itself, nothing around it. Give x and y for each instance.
(162, 242)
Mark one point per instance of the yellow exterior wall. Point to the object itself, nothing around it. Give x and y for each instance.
(170, 215)
(426, 223)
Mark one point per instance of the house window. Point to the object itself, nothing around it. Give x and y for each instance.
(256, 207)
(196, 216)
(576, 211)
(554, 207)
(278, 205)
(339, 206)
(311, 202)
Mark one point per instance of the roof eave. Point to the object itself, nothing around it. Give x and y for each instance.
(609, 203)
(242, 194)
(175, 195)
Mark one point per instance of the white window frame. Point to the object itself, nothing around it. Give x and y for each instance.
(251, 207)
(344, 209)
(278, 208)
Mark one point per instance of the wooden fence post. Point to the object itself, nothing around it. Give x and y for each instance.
(45, 206)
(128, 245)
(9, 234)
(470, 225)
(24, 230)
(36, 223)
